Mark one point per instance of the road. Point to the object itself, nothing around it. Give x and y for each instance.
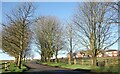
(34, 67)
(38, 68)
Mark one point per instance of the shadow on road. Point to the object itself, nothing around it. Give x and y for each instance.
(76, 71)
(82, 70)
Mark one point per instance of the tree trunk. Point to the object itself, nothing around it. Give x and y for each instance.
(80, 61)
(45, 59)
(56, 59)
(42, 58)
(94, 61)
(18, 63)
(69, 60)
(71, 56)
(48, 60)
(16, 60)
(74, 60)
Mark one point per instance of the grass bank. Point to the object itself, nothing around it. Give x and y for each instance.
(63, 65)
(86, 67)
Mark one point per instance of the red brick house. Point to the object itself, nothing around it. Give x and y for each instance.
(111, 53)
(79, 54)
(107, 53)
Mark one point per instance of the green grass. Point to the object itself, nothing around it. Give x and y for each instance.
(86, 67)
(76, 66)
(63, 65)
(13, 68)
(20, 70)
(107, 69)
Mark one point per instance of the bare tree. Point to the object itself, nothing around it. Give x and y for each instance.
(0, 37)
(58, 40)
(18, 34)
(96, 28)
(26, 53)
(45, 31)
(8, 45)
(71, 40)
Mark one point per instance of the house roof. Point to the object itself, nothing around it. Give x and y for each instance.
(84, 51)
(111, 50)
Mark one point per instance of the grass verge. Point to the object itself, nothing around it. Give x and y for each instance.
(85, 67)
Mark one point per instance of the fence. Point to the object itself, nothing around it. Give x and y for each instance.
(5, 65)
(104, 61)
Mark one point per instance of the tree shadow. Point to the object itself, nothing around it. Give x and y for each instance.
(76, 71)
(83, 70)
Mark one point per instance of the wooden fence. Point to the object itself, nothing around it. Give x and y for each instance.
(5, 65)
(106, 61)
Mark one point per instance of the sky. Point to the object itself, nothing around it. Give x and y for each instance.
(62, 10)
(59, 0)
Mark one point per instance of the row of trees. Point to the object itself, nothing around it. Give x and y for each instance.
(48, 32)
(94, 24)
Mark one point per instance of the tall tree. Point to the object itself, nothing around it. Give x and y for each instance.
(72, 41)
(6, 45)
(58, 40)
(45, 32)
(96, 28)
(0, 37)
(18, 34)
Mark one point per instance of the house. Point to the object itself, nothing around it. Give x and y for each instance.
(111, 53)
(107, 53)
(100, 55)
(79, 54)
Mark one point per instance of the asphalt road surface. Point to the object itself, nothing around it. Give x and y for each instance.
(38, 68)
(34, 67)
